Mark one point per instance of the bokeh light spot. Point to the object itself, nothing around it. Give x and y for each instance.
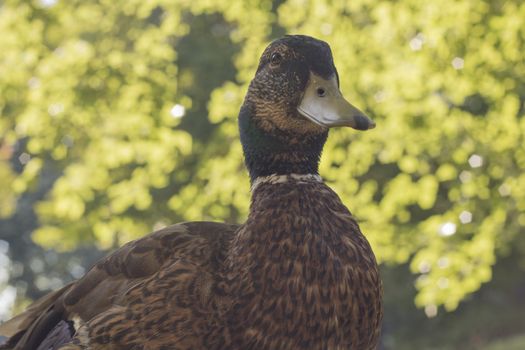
(447, 229)
(178, 111)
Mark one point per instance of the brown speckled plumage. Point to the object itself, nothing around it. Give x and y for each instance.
(298, 274)
(303, 275)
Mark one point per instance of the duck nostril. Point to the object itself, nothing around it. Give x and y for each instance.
(321, 92)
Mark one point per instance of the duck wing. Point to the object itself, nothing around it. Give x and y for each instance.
(128, 297)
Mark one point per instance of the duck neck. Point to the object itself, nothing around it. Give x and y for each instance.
(278, 152)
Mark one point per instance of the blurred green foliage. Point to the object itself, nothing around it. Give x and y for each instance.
(96, 89)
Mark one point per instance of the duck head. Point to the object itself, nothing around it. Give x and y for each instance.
(291, 103)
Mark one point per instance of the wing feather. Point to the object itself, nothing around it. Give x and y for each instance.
(109, 284)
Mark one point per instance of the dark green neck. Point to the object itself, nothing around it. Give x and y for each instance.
(268, 153)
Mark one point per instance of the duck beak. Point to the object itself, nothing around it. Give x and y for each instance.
(324, 104)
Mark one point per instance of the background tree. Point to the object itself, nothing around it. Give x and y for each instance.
(120, 117)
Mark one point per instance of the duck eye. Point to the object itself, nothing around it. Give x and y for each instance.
(276, 58)
(321, 92)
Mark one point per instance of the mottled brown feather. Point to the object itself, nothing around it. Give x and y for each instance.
(302, 273)
(297, 275)
(131, 292)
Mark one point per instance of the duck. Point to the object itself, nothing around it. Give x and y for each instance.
(297, 274)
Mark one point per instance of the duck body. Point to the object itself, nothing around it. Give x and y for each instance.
(298, 274)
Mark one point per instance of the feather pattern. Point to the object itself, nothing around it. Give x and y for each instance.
(303, 275)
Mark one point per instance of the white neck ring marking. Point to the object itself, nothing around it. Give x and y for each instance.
(279, 179)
